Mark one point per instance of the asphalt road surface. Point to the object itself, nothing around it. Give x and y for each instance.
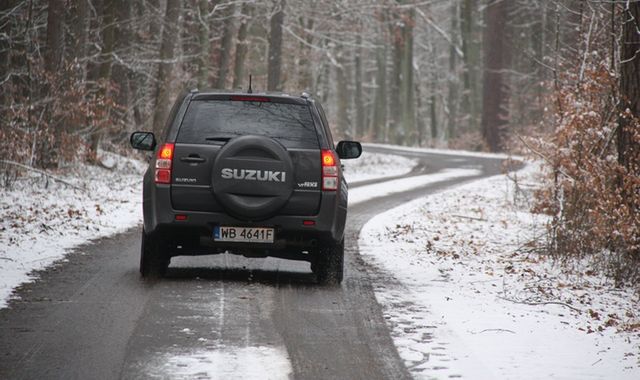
(93, 317)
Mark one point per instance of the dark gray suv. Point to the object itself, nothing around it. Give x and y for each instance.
(250, 174)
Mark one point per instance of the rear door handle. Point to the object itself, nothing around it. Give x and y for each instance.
(192, 159)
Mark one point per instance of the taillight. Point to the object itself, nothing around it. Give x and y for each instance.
(329, 170)
(164, 163)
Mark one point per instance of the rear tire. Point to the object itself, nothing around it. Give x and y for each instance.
(154, 260)
(329, 265)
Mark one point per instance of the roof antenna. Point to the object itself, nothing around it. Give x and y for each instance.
(250, 89)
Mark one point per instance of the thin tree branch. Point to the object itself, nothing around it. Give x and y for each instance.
(42, 172)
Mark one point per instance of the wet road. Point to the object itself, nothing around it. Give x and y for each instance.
(92, 317)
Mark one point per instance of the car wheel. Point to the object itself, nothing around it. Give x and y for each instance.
(153, 259)
(329, 264)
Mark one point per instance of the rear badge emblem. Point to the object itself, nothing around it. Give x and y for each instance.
(253, 175)
(308, 184)
(186, 180)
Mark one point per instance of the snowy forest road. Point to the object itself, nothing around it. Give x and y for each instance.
(92, 316)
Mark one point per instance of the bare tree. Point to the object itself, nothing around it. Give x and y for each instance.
(241, 45)
(471, 61)
(495, 92)
(224, 55)
(379, 118)
(55, 35)
(275, 47)
(204, 32)
(167, 50)
(359, 93)
(407, 100)
(628, 130)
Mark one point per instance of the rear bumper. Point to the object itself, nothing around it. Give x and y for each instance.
(194, 234)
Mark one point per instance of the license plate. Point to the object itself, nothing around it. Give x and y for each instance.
(243, 234)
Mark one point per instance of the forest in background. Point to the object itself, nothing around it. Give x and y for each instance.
(559, 79)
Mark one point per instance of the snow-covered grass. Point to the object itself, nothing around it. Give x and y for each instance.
(42, 219)
(375, 165)
(465, 294)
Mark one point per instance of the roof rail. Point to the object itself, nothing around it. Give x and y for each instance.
(305, 95)
(194, 90)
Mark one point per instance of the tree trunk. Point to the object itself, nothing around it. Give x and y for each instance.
(275, 48)
(47, 149)
(343, 94)
(203, 44)
(5, 59)
(108, 38)
(470, 98)
(241, 46)
(80, 30)
(141, 83)
(121, 74)
(323, 76)
(155, 15)
(407, 101)
(55, 36)
(305, 79)
(495, 93)
(359, 95)
(572, 38)
(379, 119)
(104, 71)
(165, 77)
(420, 121)
(224, 57)
(433, 118)
(452, 97)
(629, 128)
(395, 82)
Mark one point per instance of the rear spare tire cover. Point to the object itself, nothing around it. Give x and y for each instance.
(252, 177)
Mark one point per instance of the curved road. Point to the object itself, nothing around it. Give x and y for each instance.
(92, 317)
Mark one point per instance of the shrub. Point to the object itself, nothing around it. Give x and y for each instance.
(594, 201)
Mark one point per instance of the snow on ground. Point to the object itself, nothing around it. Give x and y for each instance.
(465, 295)
(365, 193)
(245, 363)
(375, 165)
(42, 219)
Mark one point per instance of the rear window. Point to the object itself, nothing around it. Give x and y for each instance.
(215, 121)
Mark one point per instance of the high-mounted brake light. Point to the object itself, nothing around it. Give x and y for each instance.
(164, 163)
(329, 170)
(241, 98)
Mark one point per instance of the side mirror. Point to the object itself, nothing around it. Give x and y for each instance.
(349, 149)
(143, 140)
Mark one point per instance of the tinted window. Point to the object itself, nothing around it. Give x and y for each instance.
(326, 123)
(214, 121)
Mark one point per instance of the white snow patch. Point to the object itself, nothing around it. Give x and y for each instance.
(246, 363)
(375, 165)
(41, 220)
(365, 193)
(466, 297)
